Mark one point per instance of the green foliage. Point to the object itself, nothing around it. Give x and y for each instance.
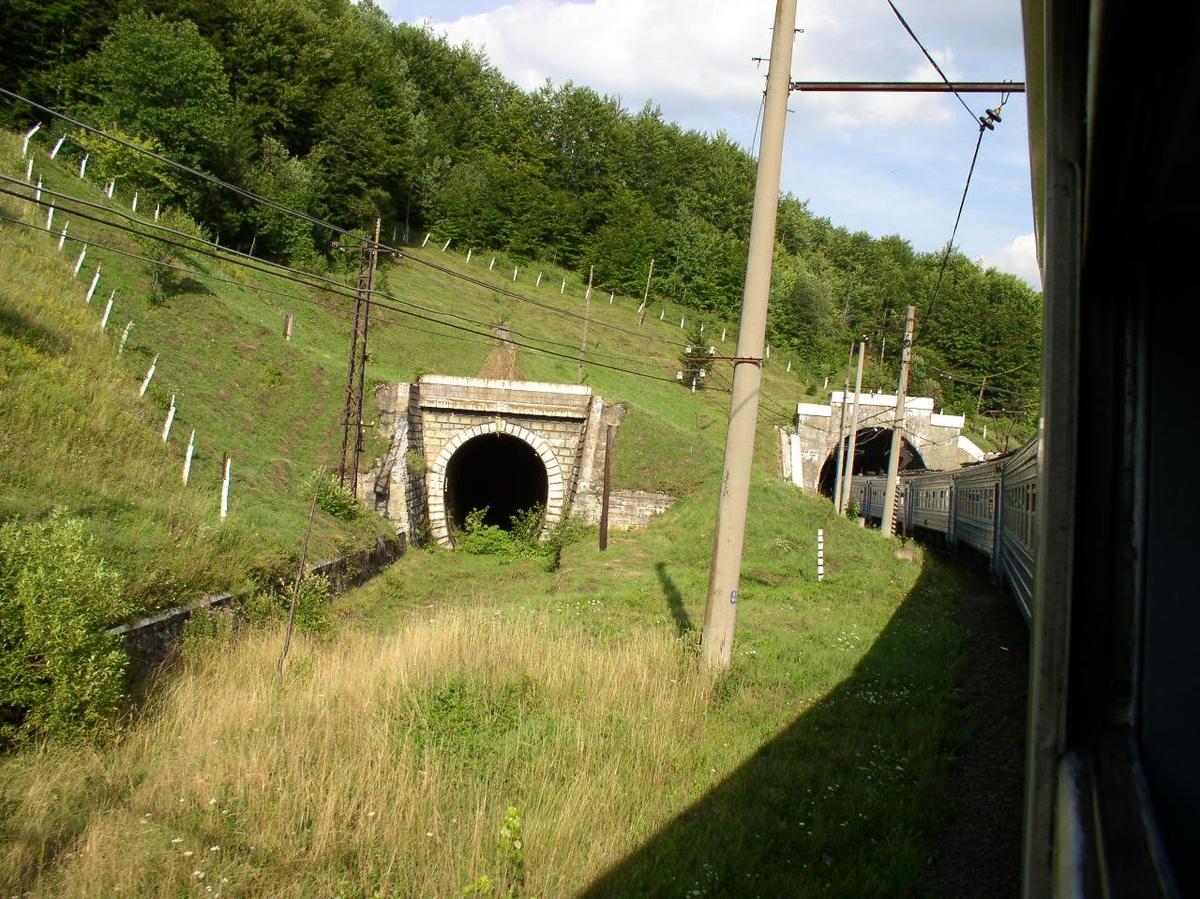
(693, 361)
(314, 606)
(61, 675)
(524, 537)
(415, 463)
(206, 630)
(481, 539)
(332, 498)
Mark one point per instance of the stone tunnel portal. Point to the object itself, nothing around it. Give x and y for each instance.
(498, 471)
(871, 450)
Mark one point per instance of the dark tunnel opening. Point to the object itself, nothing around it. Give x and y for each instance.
(501, 472)
(871, 450)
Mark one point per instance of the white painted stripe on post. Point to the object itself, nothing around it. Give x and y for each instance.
(820, 554)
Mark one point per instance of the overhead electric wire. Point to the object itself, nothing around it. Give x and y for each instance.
(933, 62)
(346, 292)
(250, 195)
(298, 276)
(954, 232)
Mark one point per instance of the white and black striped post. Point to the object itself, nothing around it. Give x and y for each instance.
(820, 554)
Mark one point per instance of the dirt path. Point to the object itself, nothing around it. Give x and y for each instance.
(981, 853)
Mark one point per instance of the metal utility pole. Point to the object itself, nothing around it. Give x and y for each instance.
(841, 444)
(352, 413)
(720, 612)
(844, 502)
(887, 523)
(646, 295)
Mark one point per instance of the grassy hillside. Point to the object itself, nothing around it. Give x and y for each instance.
(84, 441)
(457, 687)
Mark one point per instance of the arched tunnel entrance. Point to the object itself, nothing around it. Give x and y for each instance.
(872, 447)
(499, 471)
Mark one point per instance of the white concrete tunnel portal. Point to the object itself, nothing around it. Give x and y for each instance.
(500, 466)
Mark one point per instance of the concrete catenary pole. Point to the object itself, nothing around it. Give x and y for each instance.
(841, 445)
(849, 472)
(887, 524)
(720, 612)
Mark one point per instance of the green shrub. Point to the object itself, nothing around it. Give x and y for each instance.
(61, 675)
(206, 630)
(314, 606)
(481, 539)
(332, 498)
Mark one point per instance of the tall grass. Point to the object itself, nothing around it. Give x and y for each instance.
(378, 766)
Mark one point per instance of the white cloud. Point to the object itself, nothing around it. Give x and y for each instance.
(693, 57)
(1018, 258)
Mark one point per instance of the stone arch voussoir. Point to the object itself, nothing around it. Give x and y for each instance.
(439, 523)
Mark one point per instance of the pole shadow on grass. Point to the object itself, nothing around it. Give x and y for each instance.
(851, 799)
(683, 621)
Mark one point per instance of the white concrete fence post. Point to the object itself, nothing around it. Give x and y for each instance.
(492, 264)
(225, 489)
(563, 289)
(514, 273)
(446, 244)
(83, 164)
(37, 194)
(29, 171)
(107, 310)
(92, 289)
(133, 205)
(166, 432)
(28, 137)
(62, 238)
(50, 217)
(124, 337)
(426, 240)
(611, 294)
(187, 457)
(469, 251)
(57, 146)
(538, 282)
(149, 375)
(79, 261)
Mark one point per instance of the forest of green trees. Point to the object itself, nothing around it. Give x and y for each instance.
(330, 107)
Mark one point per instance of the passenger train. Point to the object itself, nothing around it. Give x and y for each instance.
(990, 506)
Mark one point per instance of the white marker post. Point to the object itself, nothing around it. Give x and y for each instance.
(769, 355)
(79, 261)
(92, 289)
(723, 335)
(681, 323)
(57, 146)
(124, 337)
(789, 365)
(170, 418)
(492, 264)
(133, 205)
(149, 375)
(446, 244)
(62, 238)
(820, 554)
(662, 315)
(514, 273)
(187, 457)
(37, 194)
(611, 294)
(563, 289)
(225, 489)
(83, 164)
(107, 310)
(29, 171)
(50, 217)
(426, 240)
(538, 282)
(287, 327)
(112, 188)
(701, 327)
(28, 137)
(469, 249)
(157, 210)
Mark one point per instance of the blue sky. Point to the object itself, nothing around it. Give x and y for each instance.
(885, 164)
